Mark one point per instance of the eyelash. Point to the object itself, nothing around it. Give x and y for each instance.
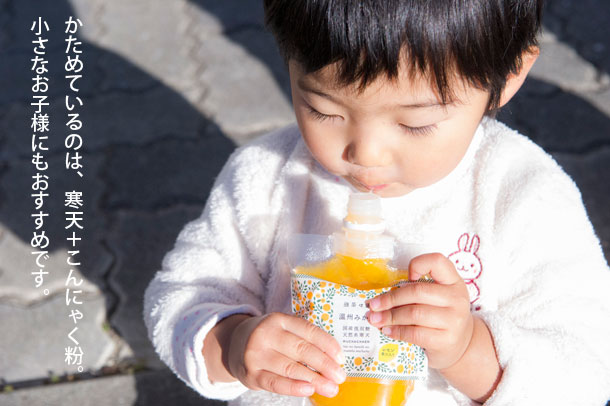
(424, 130)
(317, 115)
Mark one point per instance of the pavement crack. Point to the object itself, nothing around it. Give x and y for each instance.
(110, 151)
(167, 204)
(193, 45)
(550, 12)
(4, 167)
(116, 338)
(15, 300)
(242, 27)
(114, 304)
(53, 154)
(110, 292)
(100, 10)
(602, 78)
(591, 148)
(128, 367)
(6, 15)
(94, 94)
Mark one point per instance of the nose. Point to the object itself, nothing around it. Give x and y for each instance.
(367, 149)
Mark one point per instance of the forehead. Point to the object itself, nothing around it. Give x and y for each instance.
(407, 89)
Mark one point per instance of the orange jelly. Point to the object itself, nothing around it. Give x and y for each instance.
(361, 274)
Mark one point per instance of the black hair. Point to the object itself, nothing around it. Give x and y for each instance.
(483, 41)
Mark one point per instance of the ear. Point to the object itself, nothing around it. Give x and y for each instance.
(514, 81)
(474, 245)
(463, 242)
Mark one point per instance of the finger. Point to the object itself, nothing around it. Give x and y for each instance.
(272, 382)
(412, 293)
(423, 336)
(312, 334)
(282, 365)
(437, 265)
(299, 349)
(411, 315)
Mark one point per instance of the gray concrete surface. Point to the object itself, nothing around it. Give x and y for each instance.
(169, 89)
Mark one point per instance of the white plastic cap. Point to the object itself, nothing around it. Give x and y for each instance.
(364, 213)
(364, 204)
(363, 228)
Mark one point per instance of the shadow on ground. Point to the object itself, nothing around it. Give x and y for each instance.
(149, 162)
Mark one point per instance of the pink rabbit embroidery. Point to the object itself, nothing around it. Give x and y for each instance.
(468, 264)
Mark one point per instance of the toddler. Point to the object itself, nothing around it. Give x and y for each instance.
(396, 98)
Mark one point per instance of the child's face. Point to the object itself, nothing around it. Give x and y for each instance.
(390, 139)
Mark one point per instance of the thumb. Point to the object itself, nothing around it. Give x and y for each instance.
(435, 266)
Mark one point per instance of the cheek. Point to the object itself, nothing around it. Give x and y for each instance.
(431, 162)
(325, 147)
(423, 165)
(451, 154)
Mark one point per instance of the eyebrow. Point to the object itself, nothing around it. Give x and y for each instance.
(429, 103)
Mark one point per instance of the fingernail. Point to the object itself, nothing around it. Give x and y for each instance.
(374, 317)
(330, 390)
(340, 358)
(375, 303)
(307, 390)
(339, 375)
(387, 330)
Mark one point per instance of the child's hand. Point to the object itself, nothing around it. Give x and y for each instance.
(268, 352)
(435, 316)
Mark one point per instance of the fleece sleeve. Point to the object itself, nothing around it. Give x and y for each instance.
(552, 326)
(206, 277)
(212, 272)
(220, 264)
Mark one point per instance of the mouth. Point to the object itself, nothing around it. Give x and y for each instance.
(375, 188)
(372, 188)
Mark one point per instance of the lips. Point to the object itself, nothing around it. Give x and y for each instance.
(371, 187)
(376, 187)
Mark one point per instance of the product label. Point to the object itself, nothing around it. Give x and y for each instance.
(340, 310)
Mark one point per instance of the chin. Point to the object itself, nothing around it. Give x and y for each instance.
(388, 192)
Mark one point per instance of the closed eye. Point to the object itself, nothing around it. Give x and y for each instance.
(423, 130)
(319, 116)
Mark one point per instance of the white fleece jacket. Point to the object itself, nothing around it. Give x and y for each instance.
(508, 216)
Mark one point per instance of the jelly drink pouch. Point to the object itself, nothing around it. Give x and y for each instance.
(332, 277)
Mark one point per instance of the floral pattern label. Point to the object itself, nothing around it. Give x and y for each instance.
(340, 310)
